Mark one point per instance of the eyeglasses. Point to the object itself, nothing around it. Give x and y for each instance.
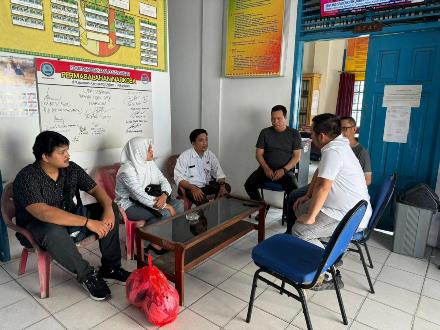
(346, 128)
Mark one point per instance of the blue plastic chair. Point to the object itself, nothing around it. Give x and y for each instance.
(300, 263)
(274, 186)
(379, 205)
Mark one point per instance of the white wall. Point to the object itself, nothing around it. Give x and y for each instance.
(326, 58)
(309, 57)
(233, 110)
(334, 68)
(185, 33)
(17, 135)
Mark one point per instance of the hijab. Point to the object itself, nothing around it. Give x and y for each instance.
(134, 159)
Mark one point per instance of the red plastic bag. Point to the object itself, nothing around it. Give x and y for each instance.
(136, 287)
(149, 289)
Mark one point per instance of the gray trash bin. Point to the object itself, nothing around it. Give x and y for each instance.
(414, 211)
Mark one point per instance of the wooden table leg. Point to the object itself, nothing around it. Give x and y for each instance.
(139, 250)
(261, 224)
(179, 255)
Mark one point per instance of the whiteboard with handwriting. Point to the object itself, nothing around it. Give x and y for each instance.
(95, 118)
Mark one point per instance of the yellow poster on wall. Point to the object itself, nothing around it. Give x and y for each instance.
(254, 38)
(119, 32)
(357, 55)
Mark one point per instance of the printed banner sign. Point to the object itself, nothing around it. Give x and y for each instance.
(356, 59)
(340, 7)
(88, 75)
(254, 38)
(18, 91)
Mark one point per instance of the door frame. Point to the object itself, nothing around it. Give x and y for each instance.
(299, 54)
(332, 35)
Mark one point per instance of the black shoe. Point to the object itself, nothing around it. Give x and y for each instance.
(117, 274)
(327, 284)
(156, 251)
(96, 287)
(288, 232)
(257, 217)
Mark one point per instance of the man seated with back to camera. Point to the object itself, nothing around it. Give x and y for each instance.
(44, 194)
(348, 127)
(339, 184)
(198, 170)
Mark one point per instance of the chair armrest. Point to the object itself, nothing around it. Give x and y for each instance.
(26, 233)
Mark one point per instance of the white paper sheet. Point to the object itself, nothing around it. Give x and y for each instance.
(397, 124)
(402, 95)
(315, 103)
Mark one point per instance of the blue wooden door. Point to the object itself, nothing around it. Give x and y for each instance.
(403, 59)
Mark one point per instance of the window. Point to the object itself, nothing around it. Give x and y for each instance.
(357, 101)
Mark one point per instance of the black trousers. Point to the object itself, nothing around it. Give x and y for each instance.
(213, 188)
(257, 178)
(56, 241)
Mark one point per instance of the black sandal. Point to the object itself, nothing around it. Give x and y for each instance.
(156, 251)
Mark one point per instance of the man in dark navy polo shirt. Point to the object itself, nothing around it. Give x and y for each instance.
(46, 197)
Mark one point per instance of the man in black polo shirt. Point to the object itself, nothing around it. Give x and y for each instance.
(44, 195)
(278, 151)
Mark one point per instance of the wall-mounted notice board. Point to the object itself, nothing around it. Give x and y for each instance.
(95, 107)
(254, 40)
(113, 32)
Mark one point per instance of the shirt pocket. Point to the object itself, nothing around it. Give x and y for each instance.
(207, 170)
(192, 171)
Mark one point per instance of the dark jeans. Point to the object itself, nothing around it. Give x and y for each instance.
(139, 212)
(212, 188)
(257, 178)
(293, 196)
(56, 241)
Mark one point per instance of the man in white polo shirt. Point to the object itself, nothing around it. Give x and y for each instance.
(198, 170)
(338, 185)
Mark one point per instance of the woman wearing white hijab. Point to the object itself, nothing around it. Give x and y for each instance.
(137, 172)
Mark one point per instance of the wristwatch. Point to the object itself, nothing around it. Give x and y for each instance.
(166, 193)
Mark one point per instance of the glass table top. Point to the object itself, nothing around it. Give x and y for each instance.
(185, 227)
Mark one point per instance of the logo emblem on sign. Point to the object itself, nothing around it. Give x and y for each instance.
(47, 69)
(145, 78)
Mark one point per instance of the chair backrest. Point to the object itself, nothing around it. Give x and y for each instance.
(9, 212)
(381, 201)
(106, 178)
(342, 236)
(169, 168)
(8, 207)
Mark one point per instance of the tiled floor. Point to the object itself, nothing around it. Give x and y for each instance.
(217, 292)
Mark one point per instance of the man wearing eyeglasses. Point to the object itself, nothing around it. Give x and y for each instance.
(348, 126)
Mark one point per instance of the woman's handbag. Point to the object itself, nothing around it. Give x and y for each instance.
(154, 190)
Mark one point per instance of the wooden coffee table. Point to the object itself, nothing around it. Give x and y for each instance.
(221, 222)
